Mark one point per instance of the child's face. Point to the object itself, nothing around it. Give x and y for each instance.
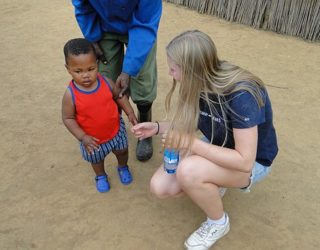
(83, 68)
(174, 70)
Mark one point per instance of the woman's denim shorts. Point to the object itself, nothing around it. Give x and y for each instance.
(258, 172)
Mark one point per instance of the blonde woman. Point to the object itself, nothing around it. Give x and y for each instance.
(231, 107)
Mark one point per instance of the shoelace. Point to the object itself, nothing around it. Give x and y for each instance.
(203, 230)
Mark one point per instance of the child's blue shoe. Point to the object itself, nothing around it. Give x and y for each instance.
(102, 183)
(124, 175)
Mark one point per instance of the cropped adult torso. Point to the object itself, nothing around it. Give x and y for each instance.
(245, 113)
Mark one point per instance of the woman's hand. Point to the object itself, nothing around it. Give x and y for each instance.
(171, 141)
(90, 143)
(145, 130)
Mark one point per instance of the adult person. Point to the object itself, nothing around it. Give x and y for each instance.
(124, 34)
(232, 109)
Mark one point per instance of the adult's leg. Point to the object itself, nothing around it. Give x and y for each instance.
(200, 180)
(164, 185)
(113, 49)
(143, 87)
(143, 91)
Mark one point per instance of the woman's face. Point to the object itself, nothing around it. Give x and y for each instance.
(174, 70)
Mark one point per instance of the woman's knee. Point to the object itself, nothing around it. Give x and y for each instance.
(187, 174)
(159, 189)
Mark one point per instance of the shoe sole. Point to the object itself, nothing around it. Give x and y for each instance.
(139, 158)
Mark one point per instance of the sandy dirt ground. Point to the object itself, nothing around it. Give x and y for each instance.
(48, 199)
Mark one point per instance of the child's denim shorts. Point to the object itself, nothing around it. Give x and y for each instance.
(119, 142)
(258, 172)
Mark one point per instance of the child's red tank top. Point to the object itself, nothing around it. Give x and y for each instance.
(96, 111)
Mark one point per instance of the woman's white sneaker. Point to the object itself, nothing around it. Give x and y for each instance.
(206, 235)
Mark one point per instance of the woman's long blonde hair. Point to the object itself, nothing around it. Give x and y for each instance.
(202, 74)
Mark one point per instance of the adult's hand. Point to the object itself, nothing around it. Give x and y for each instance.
(183, 141)
(122, 83)
(144, 130)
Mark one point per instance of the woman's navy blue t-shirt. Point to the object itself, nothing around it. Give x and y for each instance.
(245, 113)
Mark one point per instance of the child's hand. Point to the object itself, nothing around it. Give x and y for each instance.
(144, 130)
(90, 143)
(132, 118)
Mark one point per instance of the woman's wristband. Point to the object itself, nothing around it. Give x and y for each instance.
(158, 127)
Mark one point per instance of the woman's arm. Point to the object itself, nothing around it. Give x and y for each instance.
(241, 158)
(148, 129)
(163, 127)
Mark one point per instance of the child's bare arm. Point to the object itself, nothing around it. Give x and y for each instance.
(69, 120)
(124, 103)
(69, 116)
